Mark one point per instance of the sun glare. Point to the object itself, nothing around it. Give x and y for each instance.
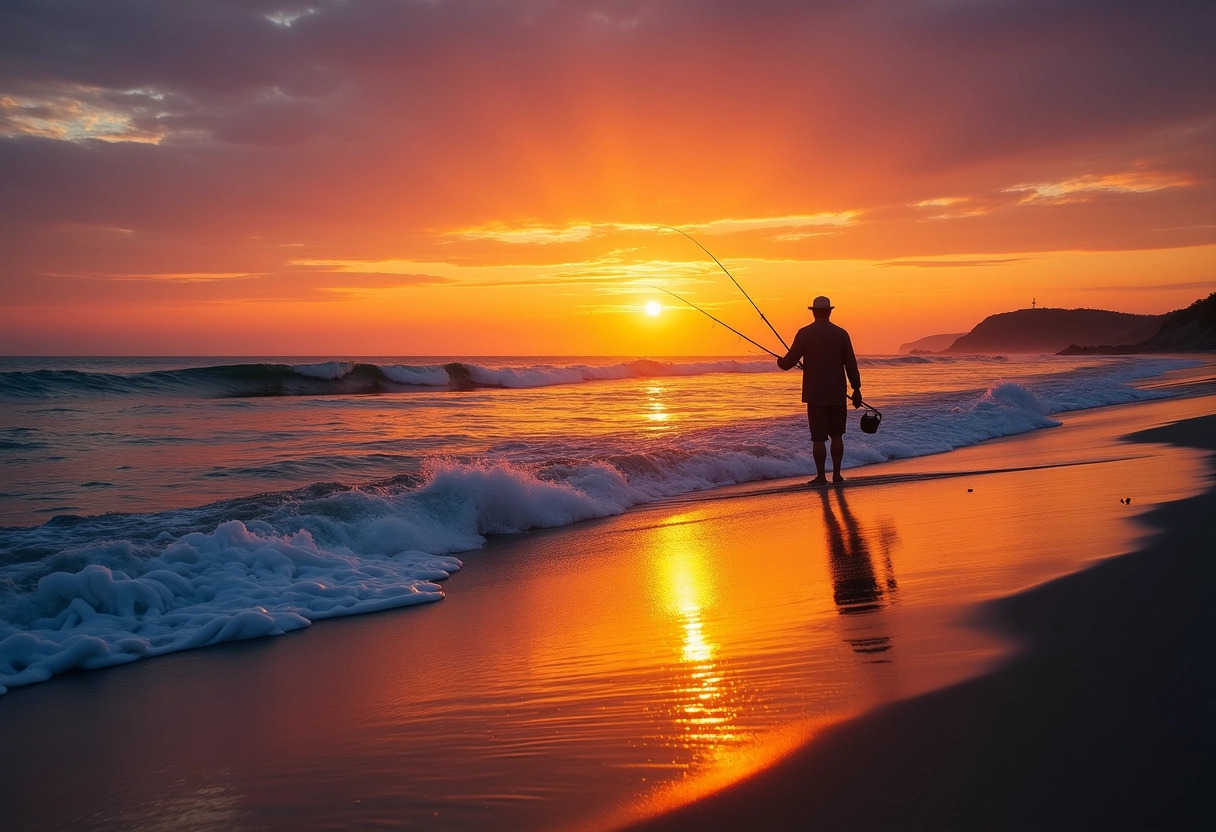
(653, 308)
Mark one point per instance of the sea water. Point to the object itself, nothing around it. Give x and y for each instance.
(150, 505)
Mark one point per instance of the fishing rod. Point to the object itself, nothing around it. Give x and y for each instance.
(799, 365)
(737, 286)
(870, 420)
(715, 320)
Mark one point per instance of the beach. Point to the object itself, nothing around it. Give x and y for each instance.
(413, 416)
(1012, 634)
(1105, 717)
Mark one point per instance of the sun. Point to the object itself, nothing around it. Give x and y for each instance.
(654, 308)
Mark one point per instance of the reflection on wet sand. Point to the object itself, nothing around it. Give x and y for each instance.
(704, 700)
(857, 588)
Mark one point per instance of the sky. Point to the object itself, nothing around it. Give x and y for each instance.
(492, 177)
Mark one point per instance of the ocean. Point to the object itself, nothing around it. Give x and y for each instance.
(152, 505)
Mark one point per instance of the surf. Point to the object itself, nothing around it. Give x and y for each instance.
(80, 591)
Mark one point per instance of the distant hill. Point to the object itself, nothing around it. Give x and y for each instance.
(1053, 330)
(930, 343)
(1184, 330)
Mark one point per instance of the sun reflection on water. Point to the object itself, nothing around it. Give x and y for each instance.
(656, 409)
(705, 700)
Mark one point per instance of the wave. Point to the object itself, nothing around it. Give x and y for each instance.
(87, 592)
(343, 378)
(912, 360)
(347, 378)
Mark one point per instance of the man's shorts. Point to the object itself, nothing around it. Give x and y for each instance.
(826, 420)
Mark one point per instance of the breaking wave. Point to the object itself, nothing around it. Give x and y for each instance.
(346, 378)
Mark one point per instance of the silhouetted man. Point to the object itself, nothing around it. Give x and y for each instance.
(826, 353)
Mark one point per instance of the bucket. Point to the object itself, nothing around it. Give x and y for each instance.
(870, 420)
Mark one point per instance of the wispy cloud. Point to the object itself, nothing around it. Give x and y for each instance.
(539, 234)
(948, 263)
(533, 234)
(951, 208)
(82, 113)
(1072, 190)
(609, 274)
(1156, 287)
(737, 226)
(172, 277)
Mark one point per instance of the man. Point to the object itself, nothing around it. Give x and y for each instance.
(826, 353)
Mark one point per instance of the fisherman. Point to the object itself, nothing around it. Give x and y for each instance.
(827, 357)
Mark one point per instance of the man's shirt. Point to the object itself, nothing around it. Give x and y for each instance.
(826, 352)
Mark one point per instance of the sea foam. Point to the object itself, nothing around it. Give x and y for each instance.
(233, 583)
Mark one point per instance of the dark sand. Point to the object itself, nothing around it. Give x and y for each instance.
(1105, 720)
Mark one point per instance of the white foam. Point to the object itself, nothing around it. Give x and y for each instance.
(327, 370)
(424, 376)
(231, 584)
(545, 375)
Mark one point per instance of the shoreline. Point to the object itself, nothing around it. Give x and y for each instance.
(1103, 717)
(576, 672)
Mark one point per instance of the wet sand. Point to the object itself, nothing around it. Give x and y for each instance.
(1105, 719)
(823, 651)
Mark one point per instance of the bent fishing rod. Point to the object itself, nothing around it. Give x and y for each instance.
(737, 286)
(865, 404)
(720, 321)
(715, 320)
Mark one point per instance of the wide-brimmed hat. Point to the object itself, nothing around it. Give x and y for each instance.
(821, 302)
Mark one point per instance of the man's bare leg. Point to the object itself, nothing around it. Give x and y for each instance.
(837, 458)
(819, 450)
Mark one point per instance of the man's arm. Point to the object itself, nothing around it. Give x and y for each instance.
(791, 358)
(850, 369)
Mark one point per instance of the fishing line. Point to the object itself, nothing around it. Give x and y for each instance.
(870, 420)
(737, 286)
(715, 320)
(659, 288)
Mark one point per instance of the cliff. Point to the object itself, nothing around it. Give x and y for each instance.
(1191, 329)
(1053, 330)
(930, 343)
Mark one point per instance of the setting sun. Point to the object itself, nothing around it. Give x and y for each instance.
(654, 308)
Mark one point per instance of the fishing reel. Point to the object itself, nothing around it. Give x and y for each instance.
(870, 420)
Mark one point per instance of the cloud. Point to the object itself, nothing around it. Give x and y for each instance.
(735, 226)
(302, 286)
(215, 133)
(537, 234)
(1200, 285)
(953, 207)
(532, 234)
(603, 274)
(937, 264)
(76, 114)
(1122, 183)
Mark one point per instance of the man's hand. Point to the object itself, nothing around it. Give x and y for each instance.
(856, 398)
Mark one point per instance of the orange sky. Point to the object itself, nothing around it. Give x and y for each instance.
(389, 177)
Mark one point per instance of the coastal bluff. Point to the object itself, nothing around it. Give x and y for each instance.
(1192, 329)
(1052, 330)
(929, 344)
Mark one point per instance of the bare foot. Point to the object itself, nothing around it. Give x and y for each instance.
(837, 478)
(819, 480)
